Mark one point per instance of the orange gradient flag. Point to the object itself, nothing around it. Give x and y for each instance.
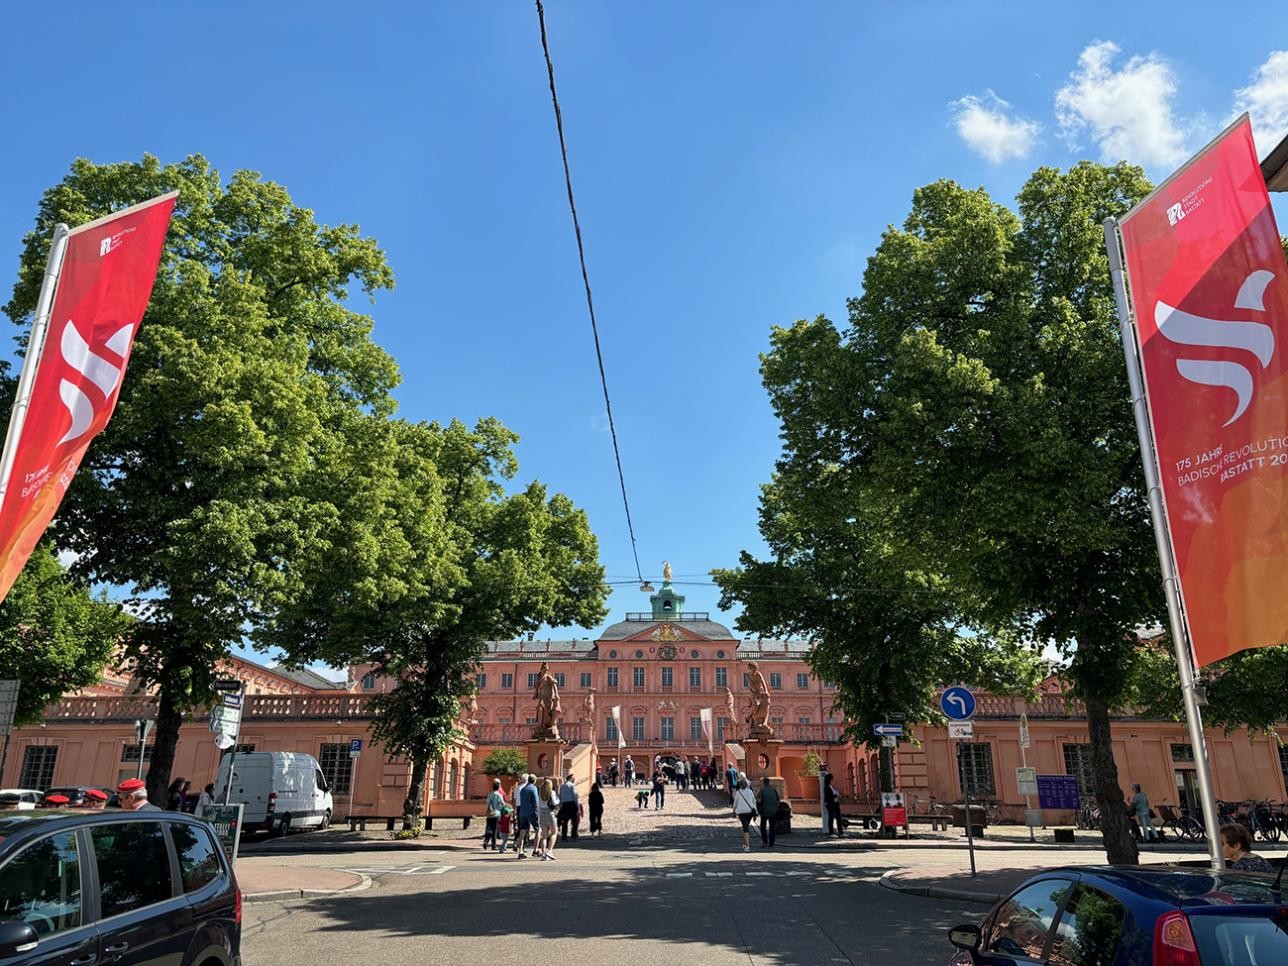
(1209, 292)
(102, 291)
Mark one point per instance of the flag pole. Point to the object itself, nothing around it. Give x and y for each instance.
(35, 347)
(1163, 542)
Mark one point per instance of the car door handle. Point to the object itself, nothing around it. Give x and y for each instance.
(117, 949)
(84, 960)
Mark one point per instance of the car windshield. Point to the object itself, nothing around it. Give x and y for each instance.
(1242, 940)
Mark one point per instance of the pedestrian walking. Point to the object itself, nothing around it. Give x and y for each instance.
(832, 800)
(1236, 846)
(503, 827)
(547, 807)
(731, 779)
(495, 802)
(174, 796)
(134, 796)
(628, 767)
(206, 799)
(659, 790)
(744, 807)
(681, 774)
(1140, 805)
(528, 802)
(569, 808)
(612, 773)
(596, 798)
(767, 804)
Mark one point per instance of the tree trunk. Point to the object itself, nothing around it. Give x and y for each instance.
(414, 803)
(164, 738)
(885, 758)
(1120, 848)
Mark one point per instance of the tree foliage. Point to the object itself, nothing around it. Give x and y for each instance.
(55, 636)
(248, 358)
(505, 762)
(973, 421)
(429, 558)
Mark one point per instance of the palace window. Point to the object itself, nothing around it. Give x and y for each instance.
(746, 679)
(336, 766)
(481, 681)
(637, 678)
(668, 675)
(975, 768)
(804, 719)
(507, 681)
(668, 729)
(720, 728)
(38, 767)
(612, 679)
(369, 680)
(559, 679)
(1182, 754)
(776, 719)
(1077, 762)
(637, 728)
(532, 680)
(722, 677)
(776, 680)
(802, 682)
(695, 679)
(131, 752)
(585, 679)
(695, 728)
(610, 729)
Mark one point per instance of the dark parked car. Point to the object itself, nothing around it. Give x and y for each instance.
(79, 888)
(1133, 916)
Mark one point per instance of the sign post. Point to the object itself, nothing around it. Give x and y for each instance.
(355, 753)
(225, 722)
(958, 704)
(142, 726)
(1025, 741)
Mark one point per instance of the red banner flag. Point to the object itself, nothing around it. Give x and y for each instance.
(1209, 292)
(102, 291)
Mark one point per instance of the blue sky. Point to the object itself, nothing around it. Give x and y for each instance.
(734, 164)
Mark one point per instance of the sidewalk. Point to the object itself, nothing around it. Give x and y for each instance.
(260, 882)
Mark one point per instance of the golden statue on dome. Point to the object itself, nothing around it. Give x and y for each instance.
(666, 570)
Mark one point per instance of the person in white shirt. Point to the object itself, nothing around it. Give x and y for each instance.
(744, 806)
(207, 798)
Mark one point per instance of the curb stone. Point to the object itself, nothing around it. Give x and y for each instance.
(890, 881)
(279, 894)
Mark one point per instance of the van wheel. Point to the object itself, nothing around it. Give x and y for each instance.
(284, 826)
(326, 820)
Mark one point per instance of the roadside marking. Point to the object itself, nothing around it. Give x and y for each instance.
(760, 873)
(679, 875)
(398, 870)
(440, 870)
(712, 875)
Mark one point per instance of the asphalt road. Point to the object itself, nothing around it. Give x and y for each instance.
(594, 904)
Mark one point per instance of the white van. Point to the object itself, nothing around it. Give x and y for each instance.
(282, 790)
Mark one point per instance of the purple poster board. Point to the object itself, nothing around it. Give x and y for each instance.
(1058, 791)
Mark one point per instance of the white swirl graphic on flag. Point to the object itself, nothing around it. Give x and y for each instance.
(102, 373)
(1186, 329)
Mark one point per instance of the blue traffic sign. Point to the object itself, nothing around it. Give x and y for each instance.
(958, 703)
(355, 746)
(888, 729)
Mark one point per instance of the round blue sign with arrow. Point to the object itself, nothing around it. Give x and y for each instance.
(958, 703)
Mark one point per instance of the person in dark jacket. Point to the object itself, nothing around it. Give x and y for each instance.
(596, 802)
(767, 805)
(832, 799)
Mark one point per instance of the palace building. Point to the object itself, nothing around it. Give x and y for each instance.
(662, 669)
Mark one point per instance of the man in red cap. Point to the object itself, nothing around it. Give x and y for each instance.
(94, 798)
(134, 796)
(56, 801)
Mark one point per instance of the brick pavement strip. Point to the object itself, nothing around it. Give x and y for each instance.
(262, 882)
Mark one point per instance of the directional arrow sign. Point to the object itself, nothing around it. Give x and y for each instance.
(888, 728)
(957, 703)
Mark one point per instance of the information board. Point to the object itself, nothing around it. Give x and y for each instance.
(1058, 791)
(227, 820)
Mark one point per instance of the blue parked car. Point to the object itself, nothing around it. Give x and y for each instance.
(1133, 916)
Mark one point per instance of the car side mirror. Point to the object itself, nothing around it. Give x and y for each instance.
(965, 937)
(16, 937)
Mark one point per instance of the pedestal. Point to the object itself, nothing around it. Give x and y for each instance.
(762, 762)
(545, 757)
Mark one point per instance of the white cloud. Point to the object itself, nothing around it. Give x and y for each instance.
(1126, 112)
(989, 130)
(68, 557)
(1266, 99)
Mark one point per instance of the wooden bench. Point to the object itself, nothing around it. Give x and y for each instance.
(462, 810)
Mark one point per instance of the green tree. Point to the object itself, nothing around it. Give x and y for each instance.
(976, 406)
(247, 361)
(428, 559)
(55, 636)
(505, 762)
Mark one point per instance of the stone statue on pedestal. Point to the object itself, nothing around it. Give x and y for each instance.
(549, 710)
(758, 717)
(588, 707)
(731, 712)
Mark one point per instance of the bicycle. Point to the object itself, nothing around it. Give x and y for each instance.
(1089, 816)
(922, 806)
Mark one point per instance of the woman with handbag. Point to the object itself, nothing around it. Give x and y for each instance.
(744, 806)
